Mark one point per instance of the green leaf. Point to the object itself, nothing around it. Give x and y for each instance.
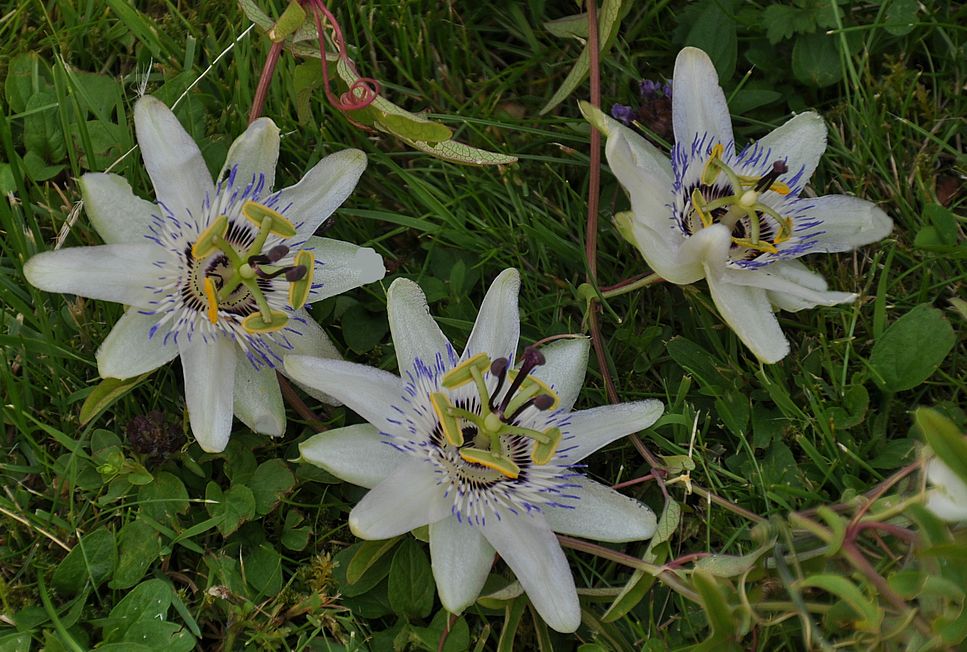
(159, 636)
(411, 587)
(271, 480)
(856, 400)
(716, 608)
(294, 537)
(363, 329)
(92, 559)
(815, 60)
(291, 20)
(15, 643)
(901, 16)
(946, 440)
(263, 570)
(575, 26)
(140, 545)
(164, 498)
(870, 614)
(148, 601)
(373, 577)
(458, 637)
(782, 21)
(234, 506)
(609, 20)
(42, 130)
(418, 129)
(451, 150)
(714, 31)
(106, 393)
(731, 565)
(911, 349)
(27, 74)
(98, 94)
(366, 556)
(944, 221)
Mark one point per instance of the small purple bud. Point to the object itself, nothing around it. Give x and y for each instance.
(647, 88)
(667, 89)
(623, 114)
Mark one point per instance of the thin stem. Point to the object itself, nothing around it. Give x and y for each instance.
(293, 399)
(634, 481)
(261, 92)
(617, 291)
(727, 504)
(594, 182)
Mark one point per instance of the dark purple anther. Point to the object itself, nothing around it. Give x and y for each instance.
(277, 253)
(541, 402)
(498, 368)
(532, 358)
(297, 273)
(778, 168)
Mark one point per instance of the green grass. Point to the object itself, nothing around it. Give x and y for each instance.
(815, 429)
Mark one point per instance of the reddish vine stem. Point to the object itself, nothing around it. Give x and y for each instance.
(446, 632)
(364, 90)
(265, 79)
(292, 398)
(591, 238)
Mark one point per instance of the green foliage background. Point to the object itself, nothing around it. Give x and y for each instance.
(247, 550)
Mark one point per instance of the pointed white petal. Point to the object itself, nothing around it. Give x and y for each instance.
(591, 429)
(785, 288)
(356, 454)
(531, 550)
(497, 328)
(461, 559)
(341, 266)
(948, 496)
(119, 216)
(565, 363)
(647, 176)
(178, 172)
(409, 498)
(847, 222)
(748, 312)
(944, 507)
(254, 153)
(209, 383)
(603, 514)
(323, 189)
(312, 341)
(415, 333)
(128, 351)
(117, 272)
(698, 103)
(800, 142)
(368, 391)
(257, 398)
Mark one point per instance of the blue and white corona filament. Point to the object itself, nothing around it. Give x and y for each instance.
(216, 273)
(735, 217)
(482, 448)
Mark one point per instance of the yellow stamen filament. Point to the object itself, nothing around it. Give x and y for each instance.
(697, 201)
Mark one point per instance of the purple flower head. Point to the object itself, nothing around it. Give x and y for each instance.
(622, 113)
(648, 88)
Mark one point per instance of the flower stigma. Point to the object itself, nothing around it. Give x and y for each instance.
(497, 421)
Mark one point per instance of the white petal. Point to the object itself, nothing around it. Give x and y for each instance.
(847, 222)
(119, 216)
(945, 478)
(311, 341)
(209, 383)
(591, 429)
(944, 507)
(117, 272)
(257, 397)
(461, 559)
(128, 350)
(497, 328)
(323, 189)
(341, 266)
(531, 550)
(254, 153)
(603, 514)
(748, 312)
(409, 498)
(698, 103)
(800, 142)
(663, 253)
(368, 391)
(356, 454)
(783, 291)
(565, 363)
(415, 333)
(178, 172)
(647, 176)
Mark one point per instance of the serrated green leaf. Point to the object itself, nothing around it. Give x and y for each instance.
(609, 20)
(106, 393)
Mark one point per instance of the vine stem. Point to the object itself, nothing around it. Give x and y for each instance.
(630, 286)
(261, 91)
(292, 398)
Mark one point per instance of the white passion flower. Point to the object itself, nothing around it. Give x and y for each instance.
(485, 451)
(217, 273)
(947, 497)
(736, 218)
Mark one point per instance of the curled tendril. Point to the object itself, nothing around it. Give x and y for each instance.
(364, 90)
